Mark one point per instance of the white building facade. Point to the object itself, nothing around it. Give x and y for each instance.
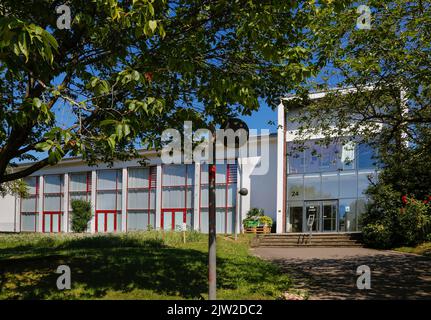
(130, 197)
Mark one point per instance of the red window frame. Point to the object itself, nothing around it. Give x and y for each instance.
(88, 185)
(186, 189)
(231, 179)
(71, 191)
(50, 212)
(107, 211)
(36, 209)
(51, 227)
(152, 185)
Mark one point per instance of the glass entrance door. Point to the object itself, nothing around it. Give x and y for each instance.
(329, 216)
(312, 216)
(323, 214)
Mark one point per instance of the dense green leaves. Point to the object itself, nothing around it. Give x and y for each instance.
(127, 70)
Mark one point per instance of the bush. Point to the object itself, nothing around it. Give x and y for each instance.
(256, 218)
(415, 220)
(393, 220)
(377, 235)
(81, 215)
(265, 220)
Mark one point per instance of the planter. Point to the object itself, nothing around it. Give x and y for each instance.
(258, 230)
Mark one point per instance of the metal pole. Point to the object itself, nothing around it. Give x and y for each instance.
(238, 212)
(212, 280)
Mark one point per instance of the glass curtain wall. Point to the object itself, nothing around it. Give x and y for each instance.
(317, 174)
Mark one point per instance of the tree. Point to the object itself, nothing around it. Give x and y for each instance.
(386, 69)
(127, 69)
(81, 215)
(377, 82)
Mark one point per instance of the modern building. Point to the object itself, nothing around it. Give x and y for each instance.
(326, 183)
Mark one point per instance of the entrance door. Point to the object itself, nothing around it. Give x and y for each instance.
(312, 215)
(173, 219)
(325, 215)
(329, 209)
(106, 221)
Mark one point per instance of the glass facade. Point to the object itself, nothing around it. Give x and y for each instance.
(326, 185)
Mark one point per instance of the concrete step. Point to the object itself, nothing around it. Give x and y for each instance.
(311, 246)
(303, 240)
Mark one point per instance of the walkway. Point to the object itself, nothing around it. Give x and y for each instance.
(330, 273)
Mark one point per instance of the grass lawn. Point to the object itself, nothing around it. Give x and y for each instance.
(422, 249)
(141, 265)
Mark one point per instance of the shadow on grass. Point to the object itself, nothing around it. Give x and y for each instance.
(100, 265)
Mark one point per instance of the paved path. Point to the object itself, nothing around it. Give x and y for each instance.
(330, 273)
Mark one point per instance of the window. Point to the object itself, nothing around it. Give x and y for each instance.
(295, 187)
(79, 187)
(347, 215)
(52, 203)
(141, 198)
(29, 206)
(366, 155)
(348, 185)
(312, 187)
(314, 158)
(108, 200)
(226, 180)
(348, 156)
(177, 196)
(330, 186)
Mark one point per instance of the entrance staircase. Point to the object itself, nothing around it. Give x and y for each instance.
(291, 240)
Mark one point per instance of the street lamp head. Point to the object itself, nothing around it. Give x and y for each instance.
(237, 124)
(243, 191)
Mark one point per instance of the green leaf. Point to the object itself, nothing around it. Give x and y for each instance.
(152, 24)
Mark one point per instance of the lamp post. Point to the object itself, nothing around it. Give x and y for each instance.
(234, 124)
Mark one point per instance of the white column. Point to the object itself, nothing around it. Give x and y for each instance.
(124, 200)
(280, 167)
(196, 197)
(159, 197)
(93, 200)
(66, 227)
(238, 209)
(18, 214)
(40, 204)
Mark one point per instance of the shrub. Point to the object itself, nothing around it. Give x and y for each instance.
(415, 220)
(266, 221)
(377, 235)
(393, 219)
(81, 215)
(256, 217)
